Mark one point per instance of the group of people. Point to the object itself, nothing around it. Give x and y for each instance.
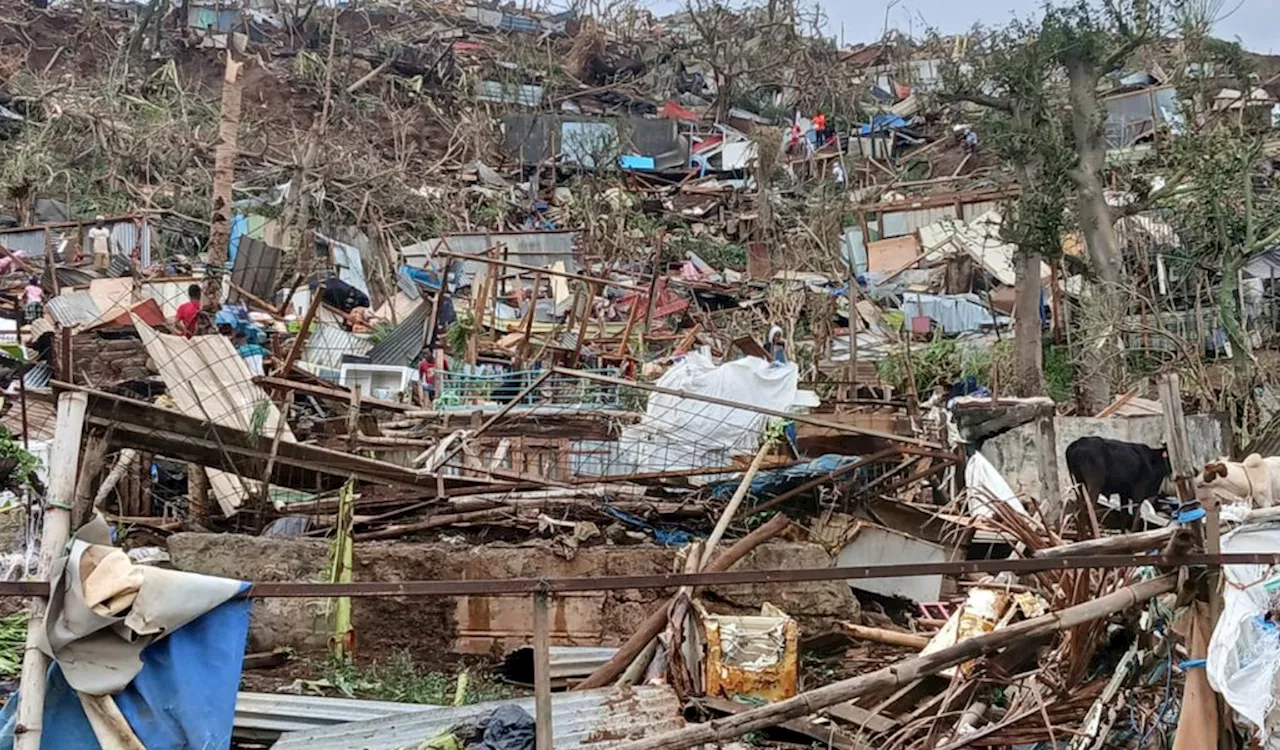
(230, 320)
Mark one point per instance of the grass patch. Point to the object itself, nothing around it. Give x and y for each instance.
(400, 678)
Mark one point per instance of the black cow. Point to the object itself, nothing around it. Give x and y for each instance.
(1133, 471)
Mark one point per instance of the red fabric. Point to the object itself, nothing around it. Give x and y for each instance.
(187, 313)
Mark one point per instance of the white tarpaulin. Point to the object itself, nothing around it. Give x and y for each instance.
(684, 433)
(979, 474)
(1244, 654)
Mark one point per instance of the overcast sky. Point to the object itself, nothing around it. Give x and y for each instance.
(1252, 21)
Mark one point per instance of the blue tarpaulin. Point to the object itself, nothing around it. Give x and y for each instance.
(882, 122)
(767, 484)
(184, 697)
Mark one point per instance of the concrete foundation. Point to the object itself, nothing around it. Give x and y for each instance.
(489, 624)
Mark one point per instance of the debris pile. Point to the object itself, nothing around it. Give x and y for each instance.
(591, 349)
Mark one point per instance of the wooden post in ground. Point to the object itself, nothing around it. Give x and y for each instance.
(542, 671)
(653, 283)
(64, 458)
(224, 168)
(1179, 450)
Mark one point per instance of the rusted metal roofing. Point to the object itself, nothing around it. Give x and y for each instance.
(594, 719)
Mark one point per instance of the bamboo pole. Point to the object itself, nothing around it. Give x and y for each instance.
(657, 619)
(64, 458)
(889, 637)
(905, 671)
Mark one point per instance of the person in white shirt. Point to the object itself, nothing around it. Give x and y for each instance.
(100, 243)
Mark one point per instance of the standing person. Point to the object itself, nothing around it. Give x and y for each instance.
(35, 299)
(819, 129)
(100, 243)
(188, 314)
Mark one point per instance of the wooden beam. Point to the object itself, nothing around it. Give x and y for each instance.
(295, 349)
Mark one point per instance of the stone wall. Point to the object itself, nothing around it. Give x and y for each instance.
(100, 359)
(1014, 452)
(426, 626)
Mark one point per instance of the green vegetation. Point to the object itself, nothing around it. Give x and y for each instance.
(13, 639)
(400, 678)
(22, 465)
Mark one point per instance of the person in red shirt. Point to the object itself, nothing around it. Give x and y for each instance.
(189, 312)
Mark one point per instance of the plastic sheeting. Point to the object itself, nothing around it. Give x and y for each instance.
(184, 697)
(768, 484)
(683, 433)
(1244, 653)
(980, 474)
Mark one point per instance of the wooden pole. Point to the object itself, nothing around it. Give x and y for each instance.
(653, 283)
(852, 376)
(64, 458)
(588, 302)
(731, 509)
(542, 671)
(905, 671)
(1179, 450)
(295, 349)
(657, 619)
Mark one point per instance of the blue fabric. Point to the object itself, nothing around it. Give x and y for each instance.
(184, 697)
(882, 122)
(665, 537)
(767, 484)
(239, 228)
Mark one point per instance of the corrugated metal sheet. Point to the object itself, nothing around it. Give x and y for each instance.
(972, 211)
(567, 662)
(69, 277)
(257, 265)
(327, 343)
(595, 719)
(540, 249)
(73, 309)
(905, 222)
(509, 93)
(41, 417)
(208, 379)
(38, 376)
(30, 242)
(274, 714)
(405, 340)
(119, 267)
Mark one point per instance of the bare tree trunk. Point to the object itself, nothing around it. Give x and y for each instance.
(1097, 225)
(1028, 346)
(224, 167)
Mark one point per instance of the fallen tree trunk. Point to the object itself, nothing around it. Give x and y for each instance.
(657, 620)
(905, 671)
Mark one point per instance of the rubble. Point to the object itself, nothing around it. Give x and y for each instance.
(587, 348)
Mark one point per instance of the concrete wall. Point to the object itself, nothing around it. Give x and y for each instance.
(483, 624)
(1014, 452)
